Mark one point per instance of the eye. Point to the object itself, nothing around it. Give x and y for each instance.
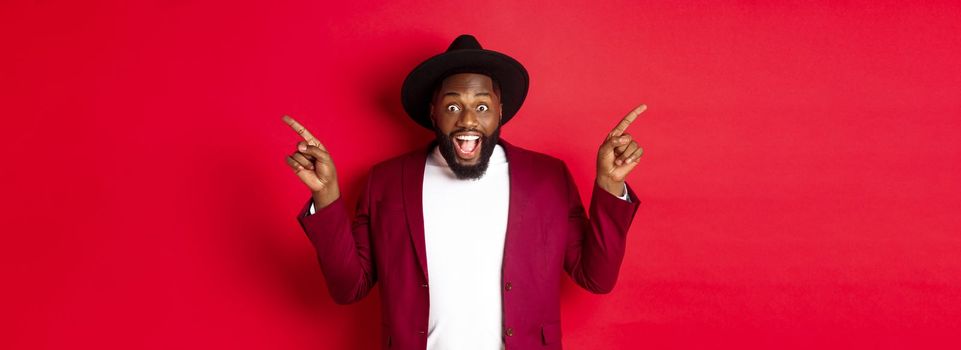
(453, 108)
(482, 108)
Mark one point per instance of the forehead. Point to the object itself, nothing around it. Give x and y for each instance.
(467, 82)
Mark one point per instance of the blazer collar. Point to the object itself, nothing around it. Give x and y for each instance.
(413, 193)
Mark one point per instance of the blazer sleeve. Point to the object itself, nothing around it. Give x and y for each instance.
(595, 244)
(343, 247)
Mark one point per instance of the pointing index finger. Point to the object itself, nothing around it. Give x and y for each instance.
(622, 126)
(302, 131)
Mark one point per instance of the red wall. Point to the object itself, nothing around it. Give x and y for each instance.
(800, 183)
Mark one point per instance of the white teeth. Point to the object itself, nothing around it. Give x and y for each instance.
(467, 137)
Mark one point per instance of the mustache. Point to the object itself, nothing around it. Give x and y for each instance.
(452, 132)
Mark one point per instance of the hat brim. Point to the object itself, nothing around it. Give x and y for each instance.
(418, 89)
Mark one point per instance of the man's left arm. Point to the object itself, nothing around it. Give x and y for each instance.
(596, 245)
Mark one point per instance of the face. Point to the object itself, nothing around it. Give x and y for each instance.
(466, 111)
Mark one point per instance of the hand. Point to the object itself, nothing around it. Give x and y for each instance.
(313, 165)
(618, 155)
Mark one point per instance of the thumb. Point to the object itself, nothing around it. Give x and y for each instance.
(620, 172)
(307, 176)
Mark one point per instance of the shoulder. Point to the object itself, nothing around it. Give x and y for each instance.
(397, 163)
(536, 161)
(390, 172)
(537, 172)
(541, 177)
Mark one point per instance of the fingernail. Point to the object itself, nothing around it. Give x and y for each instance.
(302, 148)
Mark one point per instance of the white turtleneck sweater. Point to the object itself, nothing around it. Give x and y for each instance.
(465, 222)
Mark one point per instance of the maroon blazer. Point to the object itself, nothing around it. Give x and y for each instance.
(547, 231)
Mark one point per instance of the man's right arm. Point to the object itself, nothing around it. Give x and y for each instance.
(343, 247)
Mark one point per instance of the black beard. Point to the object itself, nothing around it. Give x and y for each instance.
(467, 172)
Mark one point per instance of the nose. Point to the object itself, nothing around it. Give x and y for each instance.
(467, 120)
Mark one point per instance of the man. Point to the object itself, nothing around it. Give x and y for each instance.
(468, 236)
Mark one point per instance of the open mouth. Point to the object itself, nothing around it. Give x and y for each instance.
(467, 146)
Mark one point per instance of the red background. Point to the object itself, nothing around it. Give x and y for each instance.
(800, 183)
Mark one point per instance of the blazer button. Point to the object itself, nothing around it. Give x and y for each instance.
(508, 286)
(424, 285)
(509, 332)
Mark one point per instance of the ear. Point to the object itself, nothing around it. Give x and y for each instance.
(431, 115)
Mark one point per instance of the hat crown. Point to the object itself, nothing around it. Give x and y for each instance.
(464, 55)
(465, 42)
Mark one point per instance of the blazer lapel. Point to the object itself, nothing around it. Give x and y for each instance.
(519, 178)
(413, 182)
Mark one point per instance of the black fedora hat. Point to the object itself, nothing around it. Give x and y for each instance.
(465, 55)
